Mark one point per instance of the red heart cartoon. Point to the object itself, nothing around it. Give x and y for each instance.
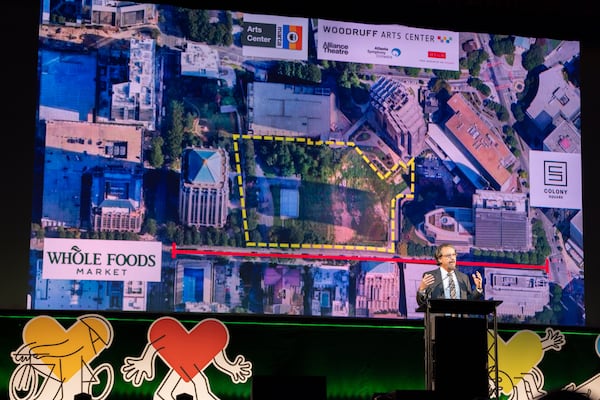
(188, 352)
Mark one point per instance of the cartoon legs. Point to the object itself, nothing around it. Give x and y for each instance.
(173, 384)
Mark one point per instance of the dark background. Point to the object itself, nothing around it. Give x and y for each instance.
(560, 19)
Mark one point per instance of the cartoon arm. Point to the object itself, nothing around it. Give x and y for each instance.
(22, 355)
(553, 340)
(30, 368)
(239, 370)
(136, 369)
(530, 387)
(25, 374)
(57, 350)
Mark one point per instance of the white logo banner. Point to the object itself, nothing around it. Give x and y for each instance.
(102, 260)
(555, 179)
(388, 44)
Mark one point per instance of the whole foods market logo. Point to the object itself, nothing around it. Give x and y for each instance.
(102, 260)
(78, 257)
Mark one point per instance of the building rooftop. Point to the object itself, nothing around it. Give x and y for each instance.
(480, 142)
(289, 110)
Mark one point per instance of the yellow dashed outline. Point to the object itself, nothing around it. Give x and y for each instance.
(392, 218)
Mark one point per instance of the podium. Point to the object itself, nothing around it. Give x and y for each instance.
(456, 334)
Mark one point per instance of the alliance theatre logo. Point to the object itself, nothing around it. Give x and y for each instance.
(555, 180)
(106, 260)
(274, 37)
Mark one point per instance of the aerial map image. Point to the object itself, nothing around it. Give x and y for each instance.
(216, 161)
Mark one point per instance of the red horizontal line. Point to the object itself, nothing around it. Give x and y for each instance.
(175, 251)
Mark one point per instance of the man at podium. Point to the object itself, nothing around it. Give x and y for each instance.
(444, 317)
(448, 282)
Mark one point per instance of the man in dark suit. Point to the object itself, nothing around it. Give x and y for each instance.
(437, 283)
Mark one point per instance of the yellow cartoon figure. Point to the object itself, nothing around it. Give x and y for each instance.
(54, 363)
(519, 377)
(187, 354)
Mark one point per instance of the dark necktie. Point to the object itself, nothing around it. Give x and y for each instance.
(451, 285)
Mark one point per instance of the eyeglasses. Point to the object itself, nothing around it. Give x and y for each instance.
(449, 255)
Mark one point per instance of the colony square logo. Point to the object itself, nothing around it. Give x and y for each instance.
(555, 173)
(275, 37)
(555, 180)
